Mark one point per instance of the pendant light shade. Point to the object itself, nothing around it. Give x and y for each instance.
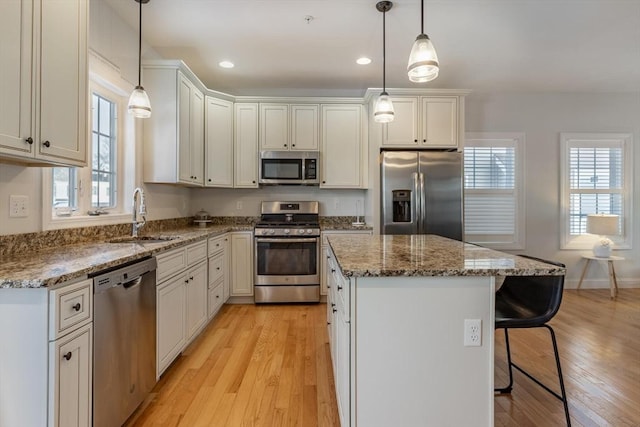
(139, 104)
(423, 61)
(383, 110)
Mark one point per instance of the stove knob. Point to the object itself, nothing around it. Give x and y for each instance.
(301, 231)
(287, 231)
(309, 231)
(272, 231)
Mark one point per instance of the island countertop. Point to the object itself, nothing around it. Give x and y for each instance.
(428, 255)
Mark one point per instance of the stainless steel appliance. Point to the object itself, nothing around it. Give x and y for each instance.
(289, 167)
(287, 253)
(124, 343)
(421, 193)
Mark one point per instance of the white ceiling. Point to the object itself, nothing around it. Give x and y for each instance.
(482, 45)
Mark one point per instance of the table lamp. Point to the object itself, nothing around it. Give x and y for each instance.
(602, 225)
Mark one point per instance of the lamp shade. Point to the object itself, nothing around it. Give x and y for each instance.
(139, 104)
(423, 61)
(602, 225)
(383, 111)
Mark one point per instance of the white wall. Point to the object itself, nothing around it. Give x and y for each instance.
(542, 116)
(224, 202)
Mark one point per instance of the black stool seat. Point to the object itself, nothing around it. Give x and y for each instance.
(530, 302)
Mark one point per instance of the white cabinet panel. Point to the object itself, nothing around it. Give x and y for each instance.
(218, 143)
(343, 162)
(440, 122)
(274, 126)
(171, 317)
(196, 299)
(242, 263)
(246, 146)
(403, 130)
(304, 127)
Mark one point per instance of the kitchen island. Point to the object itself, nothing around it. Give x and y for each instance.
(397, 311)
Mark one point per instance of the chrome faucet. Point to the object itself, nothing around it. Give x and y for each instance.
(136, 225)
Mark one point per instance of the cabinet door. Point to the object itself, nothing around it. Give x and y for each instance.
(196, 153)
(439, 122)
(403, 130)
(185, 90)
(15, 84)
(63, 100)
(274, 127)
(196, 295)
(171, 315)
(218, 143)
(304, 127)
(342, 146)
(242, 263)
(246, 146)
(71, 379)
(215, 300)
(343, 355)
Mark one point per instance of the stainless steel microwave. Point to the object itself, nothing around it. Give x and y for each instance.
(289, 167)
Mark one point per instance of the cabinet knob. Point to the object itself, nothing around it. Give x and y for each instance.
(68, 356)
(191, 278)
(415, 140)
(424, 140)
(253, 182)
(218, 268)
(217, 296)
(46, 144)
(328, 287)
(333, 310)
(186, 281)
(293, 145)
(77, 307)
(324, 182)
(209, 180)
(328, 323)
(29, 140)
(339, 287)
(333, 304)
(285, 145)
(333, 270)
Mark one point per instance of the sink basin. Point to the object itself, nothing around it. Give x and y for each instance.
(142, 239)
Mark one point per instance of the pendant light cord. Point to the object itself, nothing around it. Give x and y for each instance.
(140, 45)
(384, 54)
(422, 17)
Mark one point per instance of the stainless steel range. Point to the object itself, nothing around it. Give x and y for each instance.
(287, 253)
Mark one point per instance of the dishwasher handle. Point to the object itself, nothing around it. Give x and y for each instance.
(132, 283)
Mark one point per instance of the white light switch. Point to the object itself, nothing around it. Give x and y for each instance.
(18, 206)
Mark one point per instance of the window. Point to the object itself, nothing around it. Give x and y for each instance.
(596, 178)
(493, 190)
(80, 196)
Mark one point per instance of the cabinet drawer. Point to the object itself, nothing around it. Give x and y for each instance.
(70, 306)
(196, 252)
(217, 244)
(170, 263)
(216, 269)
(216, 298)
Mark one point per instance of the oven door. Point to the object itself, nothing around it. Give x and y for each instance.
(286, 261)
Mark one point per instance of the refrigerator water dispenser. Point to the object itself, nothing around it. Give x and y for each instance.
(401, 200)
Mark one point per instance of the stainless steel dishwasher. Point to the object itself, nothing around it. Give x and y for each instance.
(124, 342)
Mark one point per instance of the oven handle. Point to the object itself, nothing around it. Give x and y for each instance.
(287, 239)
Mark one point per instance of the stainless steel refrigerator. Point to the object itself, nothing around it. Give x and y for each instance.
(421, 193)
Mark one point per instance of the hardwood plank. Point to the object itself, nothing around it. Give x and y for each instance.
(270, 365)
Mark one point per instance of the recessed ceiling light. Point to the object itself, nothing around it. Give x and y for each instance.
(363, 61)
(226, 64)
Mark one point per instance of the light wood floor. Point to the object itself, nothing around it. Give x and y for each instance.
(270, 366)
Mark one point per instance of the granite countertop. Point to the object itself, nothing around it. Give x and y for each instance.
(428, 255)
(57, 265)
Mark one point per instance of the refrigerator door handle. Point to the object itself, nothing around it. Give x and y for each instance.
(423, 206)
(415, 202)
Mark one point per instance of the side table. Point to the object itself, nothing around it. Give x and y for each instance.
(613, 283)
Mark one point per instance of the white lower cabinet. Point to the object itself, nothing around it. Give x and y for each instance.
(70, 377)
(216, 299)
(181, 300)
(242, 263)
(218, 288)
(46, 365)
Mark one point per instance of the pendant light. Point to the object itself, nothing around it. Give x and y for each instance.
(423, 60)
(139, 104)
(383, 111)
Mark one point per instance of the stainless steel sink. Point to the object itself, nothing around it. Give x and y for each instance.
(142, 239)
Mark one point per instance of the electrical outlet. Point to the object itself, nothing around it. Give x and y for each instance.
(239, 205)
(472, 332)
(18, 206)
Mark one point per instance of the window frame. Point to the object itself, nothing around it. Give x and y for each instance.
(518, 141)
(104, 79)
(569, 140)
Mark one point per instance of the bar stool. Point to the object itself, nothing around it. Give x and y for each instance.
(530, 302)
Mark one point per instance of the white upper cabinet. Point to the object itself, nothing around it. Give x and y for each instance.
(174, 134)
(274, 126)
(218, 143)
(344, 150)
(246, 145)
(44, 103)
(288, 127)
(304, 127)
(425, 122)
